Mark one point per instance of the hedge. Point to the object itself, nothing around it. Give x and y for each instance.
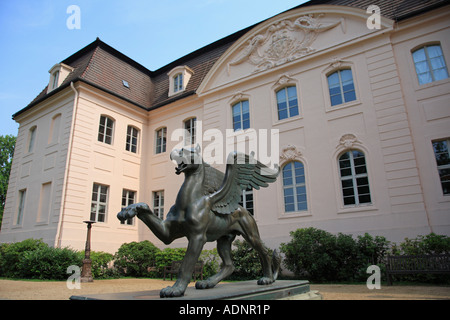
(312, 254)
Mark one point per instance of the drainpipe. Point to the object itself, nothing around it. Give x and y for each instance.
(66, 170)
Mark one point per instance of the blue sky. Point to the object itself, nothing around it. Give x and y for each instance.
(34, 36)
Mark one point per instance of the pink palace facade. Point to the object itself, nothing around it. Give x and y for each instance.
(360, 105)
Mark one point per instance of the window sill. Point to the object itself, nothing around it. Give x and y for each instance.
(425, 86)
(287, 120)
(354, 103)
(297, 214)
(356, 209)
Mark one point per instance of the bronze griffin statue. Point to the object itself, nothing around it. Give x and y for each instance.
(207, 209)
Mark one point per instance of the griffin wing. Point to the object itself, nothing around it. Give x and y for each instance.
(241, 173)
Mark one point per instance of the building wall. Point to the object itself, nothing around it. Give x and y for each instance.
(392, 121)
(39, 172)
(427, 107)
(92, 162)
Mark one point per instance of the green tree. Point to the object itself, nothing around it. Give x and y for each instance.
(7, 144)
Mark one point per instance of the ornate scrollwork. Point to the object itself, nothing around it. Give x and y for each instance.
(282, 42)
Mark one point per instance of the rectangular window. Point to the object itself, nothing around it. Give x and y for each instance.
(430, 64)
(132, 139)
(158, 204)
(247, 200)
(178, 82)
(99, 203)
(287, 102)
(241, 115)
(21, 207)
(189, 131)
(442, 155)
(128, 198)
(105, 130)
(161, 139)
(44, 202)
(55, 79)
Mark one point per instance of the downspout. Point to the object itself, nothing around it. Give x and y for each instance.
(66, 170)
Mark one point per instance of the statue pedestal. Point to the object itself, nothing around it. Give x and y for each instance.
(244, 290)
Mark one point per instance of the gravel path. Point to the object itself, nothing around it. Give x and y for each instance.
(32, 290)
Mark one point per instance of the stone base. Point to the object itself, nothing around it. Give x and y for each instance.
(245, 290)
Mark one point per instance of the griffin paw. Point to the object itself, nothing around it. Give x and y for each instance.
(171, 292)
(265, 281)
(204, 284)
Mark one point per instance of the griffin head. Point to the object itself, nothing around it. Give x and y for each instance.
(187, 160)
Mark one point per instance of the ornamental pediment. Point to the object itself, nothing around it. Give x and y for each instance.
(284, 41)
(291, 37)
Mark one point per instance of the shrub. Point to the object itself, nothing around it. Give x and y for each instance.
(100, 268)
(47, 263)
(246, 261)
(429, 244)
(133, 259)
(423, 245)
(321, 256)
(211, 261)
(308, 254)
(166, 256)
(12, 253)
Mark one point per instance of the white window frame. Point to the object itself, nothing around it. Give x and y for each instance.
(190, 128)
(294, 186)
(341, 87)
(354, 178)
(285, 90)
(103, 133)
(132, 142)
(428, 61)
(240, 105)
(161, 140)
(95, 214)
(442, 166)
(245, 200)
(158, 203)
(126, 201)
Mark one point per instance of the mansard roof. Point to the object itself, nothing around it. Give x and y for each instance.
(103, 67)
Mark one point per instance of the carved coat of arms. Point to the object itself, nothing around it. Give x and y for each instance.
(283, 42)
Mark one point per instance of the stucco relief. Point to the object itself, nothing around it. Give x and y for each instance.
(348, 141)
(289, 153)
(283, 41)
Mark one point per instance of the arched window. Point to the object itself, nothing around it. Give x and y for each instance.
(241, 115)
(287, 102)
(430, 64)
(341, 87)
(294, 187)
(354, 178)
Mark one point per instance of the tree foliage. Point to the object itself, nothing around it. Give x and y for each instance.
(7, 144)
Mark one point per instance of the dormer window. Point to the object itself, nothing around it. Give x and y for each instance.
(178, 83)
(58, 73)
(55, 79)
(179, 78)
